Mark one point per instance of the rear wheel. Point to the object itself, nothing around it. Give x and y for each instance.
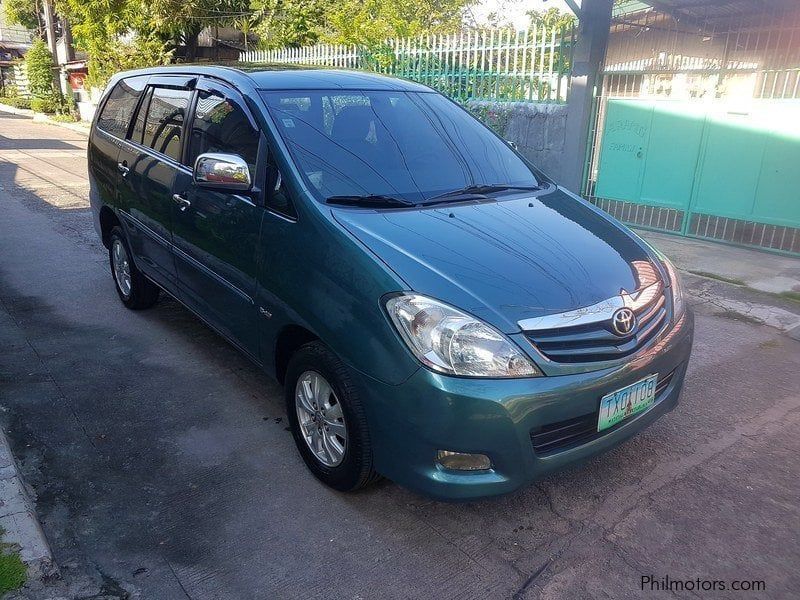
(135, 290)
(327, 419)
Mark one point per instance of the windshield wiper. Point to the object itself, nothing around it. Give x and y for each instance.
(376, 200)
(482, 190)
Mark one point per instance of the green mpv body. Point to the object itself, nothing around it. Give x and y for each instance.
(439, 311)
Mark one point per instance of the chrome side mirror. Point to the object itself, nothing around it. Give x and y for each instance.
(227, 172)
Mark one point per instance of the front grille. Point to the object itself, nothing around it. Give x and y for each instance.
(594, 342)
(569, 433)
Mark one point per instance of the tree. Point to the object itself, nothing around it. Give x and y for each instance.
(369, 22)
(552, 18)
(116, 35)
(359, 22)
(22, 12)
(290, 22)
(183, 20)
(39, 68)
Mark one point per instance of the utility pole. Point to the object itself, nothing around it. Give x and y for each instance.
(50, 27)
(594, 22)
(50, 31)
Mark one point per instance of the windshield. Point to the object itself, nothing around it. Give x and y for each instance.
(411, 146)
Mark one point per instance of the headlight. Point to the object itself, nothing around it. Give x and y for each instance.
(450, 341)
(676, 287)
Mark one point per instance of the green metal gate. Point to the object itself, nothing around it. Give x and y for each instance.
(707, 148)
(738, 163)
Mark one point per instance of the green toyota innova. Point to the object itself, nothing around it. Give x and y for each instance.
(438, 310)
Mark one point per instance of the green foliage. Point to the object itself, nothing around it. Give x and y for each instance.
(66, 118)
(9, 91)
(289, 22)
(44, 105)
(13, 571)
(21, 12)
(39, 66)
(552, 18)
(364, 23)
(369, 22)
(99, 28)
(55, 103)
(16, 101)
(183, 20)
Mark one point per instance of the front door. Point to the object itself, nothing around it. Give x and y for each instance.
(216, 233)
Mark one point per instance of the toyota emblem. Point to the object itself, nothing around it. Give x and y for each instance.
(623, 321)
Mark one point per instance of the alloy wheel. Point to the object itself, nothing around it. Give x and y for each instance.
(122, 267)
(321, 420)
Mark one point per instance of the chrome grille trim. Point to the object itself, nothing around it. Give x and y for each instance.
(586, 336)
(596, 313)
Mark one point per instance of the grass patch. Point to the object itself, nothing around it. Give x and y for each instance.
(718, 277)
(789, 295)
(13, 571)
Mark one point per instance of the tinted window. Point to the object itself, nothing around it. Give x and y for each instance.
(220, 125)
(409, 145)
(118, 109)
(138, 127)
(165, 118)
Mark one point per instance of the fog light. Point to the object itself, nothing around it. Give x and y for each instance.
(459, 461)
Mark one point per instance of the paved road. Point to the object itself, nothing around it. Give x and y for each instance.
(163, 469)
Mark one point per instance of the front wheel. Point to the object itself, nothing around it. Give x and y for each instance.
(135, 290)
(327, 419)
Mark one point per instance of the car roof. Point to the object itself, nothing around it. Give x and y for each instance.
(267, 76)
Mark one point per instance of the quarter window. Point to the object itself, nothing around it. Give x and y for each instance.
(118, 109)
(165, 118)
(221, 125)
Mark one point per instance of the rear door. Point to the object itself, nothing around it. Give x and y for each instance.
(216, 233)
(149, 163)
(107, 137)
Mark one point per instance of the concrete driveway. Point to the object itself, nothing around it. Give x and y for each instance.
(163, 469)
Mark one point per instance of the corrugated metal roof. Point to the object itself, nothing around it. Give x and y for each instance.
(709, 11)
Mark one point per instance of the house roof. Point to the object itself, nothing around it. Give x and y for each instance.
(710, 12)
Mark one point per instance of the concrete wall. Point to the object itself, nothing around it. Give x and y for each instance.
(538, 130)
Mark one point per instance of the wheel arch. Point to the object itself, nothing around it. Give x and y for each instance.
(108, 220)
(289, 340)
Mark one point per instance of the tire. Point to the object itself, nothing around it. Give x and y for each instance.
(354, 469)
(136, 291)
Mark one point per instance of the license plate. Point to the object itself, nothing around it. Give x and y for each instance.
(627, 401)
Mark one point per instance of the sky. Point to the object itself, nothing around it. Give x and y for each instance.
(514, 10)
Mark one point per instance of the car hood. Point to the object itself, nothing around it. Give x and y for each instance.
(508, 260)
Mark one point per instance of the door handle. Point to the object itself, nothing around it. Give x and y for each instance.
(183, 203)
(123, 168)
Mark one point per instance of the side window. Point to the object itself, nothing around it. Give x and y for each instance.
(118, 109)
(166, 115)
(221, 125)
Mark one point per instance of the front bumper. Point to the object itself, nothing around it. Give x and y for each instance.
(410, 422)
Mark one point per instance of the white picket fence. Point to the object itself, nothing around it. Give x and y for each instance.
(496, 64)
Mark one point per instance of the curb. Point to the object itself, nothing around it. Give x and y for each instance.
(18, 518)
(77, 127)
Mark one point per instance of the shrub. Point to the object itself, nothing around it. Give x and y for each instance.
(64, 118)
(44, 105)
(10, 91)
(17, 102)
(39, 66)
